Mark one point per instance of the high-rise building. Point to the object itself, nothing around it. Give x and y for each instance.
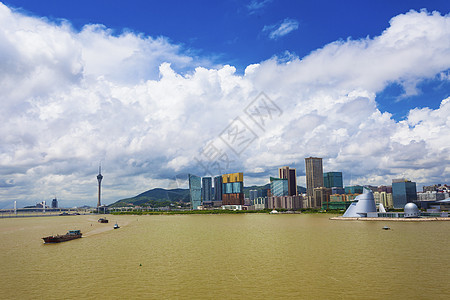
(279, 187)
(233, 189)
(354, 189)
(321, 195)
(207, 189)
(337, 190)
(291, 176)
(55, 203)
(218, 188)
(252, 194)
(314, 176)
(383, 198)
(99, 179)
(403, 191)
(332, 179)
(195, 191)
(284, 202)
(259, 203)
(383, 188)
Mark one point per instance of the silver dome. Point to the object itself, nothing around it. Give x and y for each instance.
(411, 210)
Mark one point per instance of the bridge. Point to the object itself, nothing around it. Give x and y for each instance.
(43, 212)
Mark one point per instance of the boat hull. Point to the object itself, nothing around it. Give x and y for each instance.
(60, 238)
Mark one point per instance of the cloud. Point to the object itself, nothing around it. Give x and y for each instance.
(148, 110)
(254, 6)
(281, 29)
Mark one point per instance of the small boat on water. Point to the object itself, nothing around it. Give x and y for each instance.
(103, 220)
(116, 226)
(386, 228)
(70, 235)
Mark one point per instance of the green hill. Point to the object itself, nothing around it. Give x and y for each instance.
(156, 198)
(255, 187)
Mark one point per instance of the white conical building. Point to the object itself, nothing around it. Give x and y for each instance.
(362, 205)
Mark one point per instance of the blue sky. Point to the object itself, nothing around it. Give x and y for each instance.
(232, 32)
(146, 86)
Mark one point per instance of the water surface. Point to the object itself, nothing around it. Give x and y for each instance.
(252, 256)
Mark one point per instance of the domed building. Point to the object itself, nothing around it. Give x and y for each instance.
(411, 210)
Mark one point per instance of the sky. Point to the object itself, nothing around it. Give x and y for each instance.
(154, 90)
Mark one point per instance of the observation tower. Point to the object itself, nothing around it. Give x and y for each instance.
(99, 179)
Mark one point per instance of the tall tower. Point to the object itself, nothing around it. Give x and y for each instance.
(218, 188)
(206, 189)
(195, 191)
(314, 176)
(291, 176)
(403, 192)
(99, 178)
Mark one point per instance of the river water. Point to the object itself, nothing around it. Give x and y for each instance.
(251, 256)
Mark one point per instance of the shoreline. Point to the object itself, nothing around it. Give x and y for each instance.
(426, 219)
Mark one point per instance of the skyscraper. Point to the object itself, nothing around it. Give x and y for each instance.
(332, 179)
(233, 189)
(207, 189)
(252, 194)
(314, 176)
(279, 186)
(55, 203)
(195, 191)
(291, 176)
(99, 179)
(218, 188)
(403, 191)
(321, 196)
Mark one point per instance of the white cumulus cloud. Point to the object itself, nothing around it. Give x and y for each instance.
(147, 110)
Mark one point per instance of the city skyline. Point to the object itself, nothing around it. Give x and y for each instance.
(150, 101)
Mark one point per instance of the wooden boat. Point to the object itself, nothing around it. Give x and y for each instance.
(70, 235)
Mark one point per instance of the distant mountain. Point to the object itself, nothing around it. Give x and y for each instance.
(161, 197)
(255, 187)
(301, 189)
(155, 197)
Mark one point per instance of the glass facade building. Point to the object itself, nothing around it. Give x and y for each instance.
(279, 187)
(207, 189)
(332, 179)
(227, 188)
(238, 187)
(337, 190)
(233, 189)
(291, 176)
(253, 194)
(354, 189)
(218, 188)
(195, 191)
(403, 191)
